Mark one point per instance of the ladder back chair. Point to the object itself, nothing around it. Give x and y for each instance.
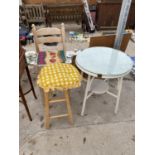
(55, 76)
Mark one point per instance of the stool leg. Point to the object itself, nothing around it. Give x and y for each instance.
(29, 77)
(46, 110)
(68, 106)
(24, 102)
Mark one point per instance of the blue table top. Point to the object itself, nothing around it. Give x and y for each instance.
(104, 61)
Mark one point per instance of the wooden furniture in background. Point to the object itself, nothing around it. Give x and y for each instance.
(63, 13)
(107, 14)
(61, 10)
(51, 1)
(21, 14)
(34, 13)
(108, 41)
(49, 35)
(57, 1)
(22, 68)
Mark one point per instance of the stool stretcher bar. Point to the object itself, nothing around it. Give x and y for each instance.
(58, 116)
(57, 100)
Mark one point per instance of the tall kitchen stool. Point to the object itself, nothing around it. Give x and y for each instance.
(62, 77)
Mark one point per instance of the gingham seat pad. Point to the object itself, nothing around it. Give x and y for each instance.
(58, 76)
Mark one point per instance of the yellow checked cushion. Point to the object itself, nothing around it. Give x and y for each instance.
(58, 76)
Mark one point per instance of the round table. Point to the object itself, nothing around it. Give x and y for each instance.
(106, 63)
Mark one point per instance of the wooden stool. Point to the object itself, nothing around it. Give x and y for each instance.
(58, 76)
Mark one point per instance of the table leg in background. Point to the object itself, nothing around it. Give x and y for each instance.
(85, 96)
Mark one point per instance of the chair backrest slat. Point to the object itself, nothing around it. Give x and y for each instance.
(34, 13)
(49, 39)
(48, 31)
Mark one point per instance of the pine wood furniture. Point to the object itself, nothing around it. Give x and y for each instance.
(56, 76)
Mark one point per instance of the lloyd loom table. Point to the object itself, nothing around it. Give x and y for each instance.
(106, 63)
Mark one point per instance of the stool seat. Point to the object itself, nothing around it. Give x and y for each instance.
(58, 76)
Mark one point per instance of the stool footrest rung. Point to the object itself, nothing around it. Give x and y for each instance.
(57, 100)
(58, 116)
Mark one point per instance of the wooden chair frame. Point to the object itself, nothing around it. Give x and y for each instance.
(49, 35)
(22, 68)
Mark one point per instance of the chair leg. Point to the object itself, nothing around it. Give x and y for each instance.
(24, 102)
(46, 110)
(30, 80)
(68, 106)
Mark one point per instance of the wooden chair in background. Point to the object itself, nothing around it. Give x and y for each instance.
(34, 13)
